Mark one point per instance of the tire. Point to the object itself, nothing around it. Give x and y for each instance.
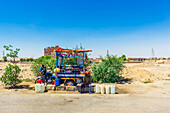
(69, 83)
(36, 81)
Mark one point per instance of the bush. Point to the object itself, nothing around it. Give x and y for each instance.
(45, 60)
(31, 59)
(21, 60)
(28, 80)
(52, 62)
(147, 81)
(10, 77)
(28, 59)
(163, 58)
(35, 68)
(108, 70)
(123, 57)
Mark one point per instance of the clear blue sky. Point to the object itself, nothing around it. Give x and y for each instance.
(130, 27)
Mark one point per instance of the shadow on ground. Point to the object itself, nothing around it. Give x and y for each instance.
(21, 87)
(124, 80)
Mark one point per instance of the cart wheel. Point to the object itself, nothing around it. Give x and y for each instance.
(69, 83)
(36, 81)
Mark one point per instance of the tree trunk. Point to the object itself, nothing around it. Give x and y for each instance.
(14, 59)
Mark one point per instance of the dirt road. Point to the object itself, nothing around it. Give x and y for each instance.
(77, 103)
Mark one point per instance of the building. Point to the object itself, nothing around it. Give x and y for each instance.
(50, 51)
(168, 58)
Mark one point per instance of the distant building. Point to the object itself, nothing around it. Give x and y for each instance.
(139, 59)
(50, 51)
(168, 58)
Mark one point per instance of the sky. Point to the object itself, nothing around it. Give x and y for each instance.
(130, 27)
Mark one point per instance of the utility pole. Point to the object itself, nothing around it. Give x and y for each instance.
(153, 54)
(3, 53)
(107, 52)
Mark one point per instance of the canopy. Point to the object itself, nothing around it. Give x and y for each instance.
(71, 50)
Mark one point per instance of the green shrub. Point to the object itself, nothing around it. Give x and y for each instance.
(45, 60)
(21, 60)
(123, 57)
(31, 59)
(52, 62)
(11, 75)
(28, 80)
(147, 81)
(35, 68)
(28, 59)
(163, 58)
(108, 70)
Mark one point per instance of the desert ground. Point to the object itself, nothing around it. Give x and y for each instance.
(147, 89)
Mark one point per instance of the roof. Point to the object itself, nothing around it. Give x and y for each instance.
(71, 50)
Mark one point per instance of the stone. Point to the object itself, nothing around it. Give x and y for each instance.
(71, 88)
(51, 87)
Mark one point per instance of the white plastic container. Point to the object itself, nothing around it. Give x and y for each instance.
(39, 88)
(102, 89)
(42, 88)
(98, 89)
(107, 89)
(112, 89)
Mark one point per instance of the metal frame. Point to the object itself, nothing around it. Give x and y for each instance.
(70, 75)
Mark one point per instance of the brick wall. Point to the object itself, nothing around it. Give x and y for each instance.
(50, 51)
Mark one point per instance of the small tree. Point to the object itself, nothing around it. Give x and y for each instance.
(10, 77)
(12, 53)
(31, 59)
(21, 60)
(28, 59)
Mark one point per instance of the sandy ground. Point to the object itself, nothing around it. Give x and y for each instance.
(146, 71)
(132, 97)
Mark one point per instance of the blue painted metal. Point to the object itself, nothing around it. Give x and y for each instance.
(83, 61)
(59, 62)
(56, 59)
